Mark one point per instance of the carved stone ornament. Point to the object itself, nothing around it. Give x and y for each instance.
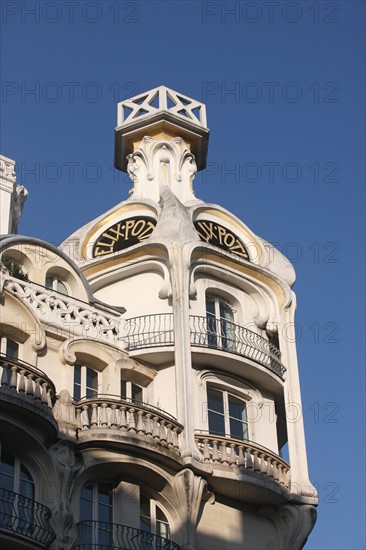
(293, 523)
(156, 164)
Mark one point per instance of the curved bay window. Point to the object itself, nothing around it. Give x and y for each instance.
(220, 323)
(152, 518)
(227, 414)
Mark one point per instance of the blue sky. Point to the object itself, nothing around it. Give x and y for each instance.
(283, 83)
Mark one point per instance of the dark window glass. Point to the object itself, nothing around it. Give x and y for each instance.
(91, 382)
(136, 392)
(12, 349)
(77, 381)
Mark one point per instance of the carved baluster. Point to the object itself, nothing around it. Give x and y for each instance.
(94, 416)
(232, 454)
(85, 418)
(241, 461)
(13, 379)
(262, 463)
(49, 399)
(287, 478)
(113, 416)
(215, 452)
(30, 385)
(140, 422)
(269, 467)
(122, 418)
(206, 450)
(131, 420)
(148, 424)
(249, 460)
(156, 428)
(5, 375)
(275, 471)
(37, 391)
(175, 438)
(21, 386)
(280, 474)
(103, 415)
(224, 457)
(256, 462)
(162, 431)
(169, 436)
(44, 398)
(78, 418)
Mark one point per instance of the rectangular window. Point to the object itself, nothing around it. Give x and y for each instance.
(227, 414)
(85, 382)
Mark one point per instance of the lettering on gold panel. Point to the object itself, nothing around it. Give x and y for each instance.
(124, 234)
(216, 234)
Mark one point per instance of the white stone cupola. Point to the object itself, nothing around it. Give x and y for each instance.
(161, 140)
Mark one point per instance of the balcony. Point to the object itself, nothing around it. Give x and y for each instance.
(241, 456)
(98, 535)
(26, 380)
(153, 331)
(125, 418)
(59, 310)
(25, 518)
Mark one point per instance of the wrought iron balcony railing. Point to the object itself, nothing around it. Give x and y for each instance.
(25, 517)
(132, 417)
(99, 535)
(26, 380)
(245, 455)
(151, 331)
(227, 336)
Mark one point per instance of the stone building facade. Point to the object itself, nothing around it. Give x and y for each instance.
(146, 377)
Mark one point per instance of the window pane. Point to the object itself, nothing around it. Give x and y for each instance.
(7, 471)
(12, 349)
(145, 519)
(214, 400)
(61, 287)
(49, 282)
(210, 306)
(216, 423)
(77, 381)
(237, 408)
(123, 388)
(86, 503)
(91, 382)
(238, 430)
(136, 393)
(226, 312)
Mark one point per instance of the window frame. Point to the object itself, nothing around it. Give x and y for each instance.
(220, 329)
(55, 281)
(82, 385)
(225, 395)
(4, 344)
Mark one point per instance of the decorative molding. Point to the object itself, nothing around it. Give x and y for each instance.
(293, 523)
(157, 164)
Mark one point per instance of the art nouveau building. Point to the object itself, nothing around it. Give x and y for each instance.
(149, 366)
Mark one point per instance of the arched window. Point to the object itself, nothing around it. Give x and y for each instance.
(152, 518)
(102, 522)
(227, 414)
(16, 493)
(54, 283)
(220, 323)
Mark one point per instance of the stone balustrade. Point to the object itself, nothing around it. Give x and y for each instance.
(129, 417)
(24, 379)
(244, 455)
(52, 307)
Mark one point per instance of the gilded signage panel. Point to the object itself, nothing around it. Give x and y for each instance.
(216, 234)
(123, 234)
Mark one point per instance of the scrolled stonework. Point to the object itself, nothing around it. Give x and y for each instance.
(156, 164)
(293, 523)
